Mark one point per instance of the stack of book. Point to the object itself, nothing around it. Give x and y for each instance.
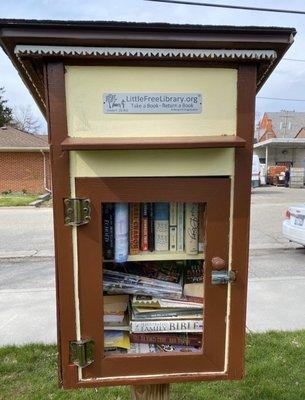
(160, 316)
(133, 228)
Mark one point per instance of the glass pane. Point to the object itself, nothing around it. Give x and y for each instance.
(153, 256)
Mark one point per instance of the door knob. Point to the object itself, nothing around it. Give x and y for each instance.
(218, 263)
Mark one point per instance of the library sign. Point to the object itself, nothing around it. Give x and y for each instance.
(152, 103)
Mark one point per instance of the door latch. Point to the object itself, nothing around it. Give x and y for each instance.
(223, 277)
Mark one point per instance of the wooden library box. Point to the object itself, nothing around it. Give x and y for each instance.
(151, 133)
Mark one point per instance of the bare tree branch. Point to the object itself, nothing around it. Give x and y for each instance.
(25, 120)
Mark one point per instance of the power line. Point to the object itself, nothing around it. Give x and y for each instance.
(278, 98)
(195, 3)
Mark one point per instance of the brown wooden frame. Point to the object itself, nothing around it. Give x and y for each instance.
(54, 77)
(160, 367)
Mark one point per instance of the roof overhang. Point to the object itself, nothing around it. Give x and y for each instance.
(23, 149)
(30, 43)
(282, 142)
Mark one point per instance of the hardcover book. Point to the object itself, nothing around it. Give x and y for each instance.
(121, 232)
(173, 213)
(182, 339)
(144, 226)
(134, 228)
(108, 231)
(180, 227)
(161, 226)
(191, 228)
(151, 227)
(166, 326)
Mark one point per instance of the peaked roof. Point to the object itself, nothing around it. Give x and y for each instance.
(286, 124)
(263, 45)
(12, 138)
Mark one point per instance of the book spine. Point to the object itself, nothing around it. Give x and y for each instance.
(108, 231)
(173, 238)
(166, 326)
(134, 228)
(191, 228)
(161, 227)
(144, 226)
(151, 227)
(173, 213)
(167, 314)
(121, 232)
(182, 339)
(180, 227)
(201, 227)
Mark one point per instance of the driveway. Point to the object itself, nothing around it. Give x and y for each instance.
(27, 292)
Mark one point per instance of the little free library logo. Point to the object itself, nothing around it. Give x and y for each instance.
(152, 103)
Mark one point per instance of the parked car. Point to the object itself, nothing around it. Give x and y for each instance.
(256, 171)
(294, 224)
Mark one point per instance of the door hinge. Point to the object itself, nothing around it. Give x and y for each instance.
(223, 277)
(81, 352)
(77, 211)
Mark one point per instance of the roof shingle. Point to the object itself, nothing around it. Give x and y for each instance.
(14, 138)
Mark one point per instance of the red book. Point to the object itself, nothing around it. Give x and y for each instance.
(134, 228)
(144, 226)
(182, 339)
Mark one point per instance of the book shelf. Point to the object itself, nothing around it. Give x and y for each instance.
(162, 256)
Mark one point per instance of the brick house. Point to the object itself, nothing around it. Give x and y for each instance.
(24, 162)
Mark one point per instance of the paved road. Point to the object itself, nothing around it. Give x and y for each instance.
(27, 294)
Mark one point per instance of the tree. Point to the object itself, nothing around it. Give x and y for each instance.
(6, 113)
(25, 120)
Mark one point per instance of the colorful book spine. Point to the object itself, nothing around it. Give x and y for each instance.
(144, 226)
(121, 232)
(166, 326)
(191, 228)
(161, 226)
(151, 227)
(180, 227)
(134, 228)
(201, 227)
(183, 339)
(108, 231)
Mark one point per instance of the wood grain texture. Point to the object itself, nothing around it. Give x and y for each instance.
(176, 142)
(150, 392)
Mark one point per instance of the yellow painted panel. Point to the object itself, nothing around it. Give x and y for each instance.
(138, 163)
(85, 87)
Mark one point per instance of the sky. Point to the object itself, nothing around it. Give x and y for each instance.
(287, 81)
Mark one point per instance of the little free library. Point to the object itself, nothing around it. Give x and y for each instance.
(151, 132)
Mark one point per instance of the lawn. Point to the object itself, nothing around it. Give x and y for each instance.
(13, 200)
(275, 370)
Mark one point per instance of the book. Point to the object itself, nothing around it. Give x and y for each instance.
(108, 231)
(173, 238)
(146, 314)
(191, 228)
(134, 228)
(166, 326)
(114, 339)
(193, 291)
(115, 303)
(155, 303)
(161, 226)
(144, 226)
(121, 232)
(182, 339)
(180, 227)
(201, 226)
(151, 226)
(142, 348)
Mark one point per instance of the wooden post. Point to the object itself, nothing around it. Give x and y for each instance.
(150, 392)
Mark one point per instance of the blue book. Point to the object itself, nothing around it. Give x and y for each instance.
(121, 232)
(161, 212)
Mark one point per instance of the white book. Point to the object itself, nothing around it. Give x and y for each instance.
(180, 227)
(173, 238)
(161, 226)
(167, 326)
(173, 213)
(191, 228)
(121, 232)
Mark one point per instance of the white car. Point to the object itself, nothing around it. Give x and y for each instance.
(294, 224)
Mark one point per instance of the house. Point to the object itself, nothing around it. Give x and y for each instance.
(280, 139)
(24, 162)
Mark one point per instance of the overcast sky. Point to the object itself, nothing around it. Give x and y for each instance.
(288, 80)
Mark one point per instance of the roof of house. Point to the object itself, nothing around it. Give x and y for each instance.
(12, 139)
(287, 124)
(29, 42)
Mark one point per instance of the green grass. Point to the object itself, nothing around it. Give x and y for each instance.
(275, 370)
(11, 200)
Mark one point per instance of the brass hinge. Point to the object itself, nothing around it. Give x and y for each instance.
(81, 352)
(223, 277)
(77, 211)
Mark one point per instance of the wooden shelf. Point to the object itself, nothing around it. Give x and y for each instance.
(138, 143)
(163, 256)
